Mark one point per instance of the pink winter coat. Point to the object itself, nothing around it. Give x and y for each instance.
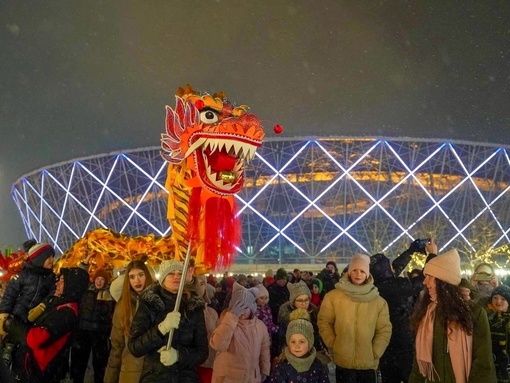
(242, 350)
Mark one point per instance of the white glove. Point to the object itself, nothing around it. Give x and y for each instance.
(168, 357)
(170, 322)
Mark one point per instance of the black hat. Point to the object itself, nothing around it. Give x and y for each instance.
(380, 267)
(76, 282)
(502, 290)
(281, 273)
(334, 265)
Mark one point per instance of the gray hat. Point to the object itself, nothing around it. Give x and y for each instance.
(167, 267)
(300, 324)
(247, 296)
(296, 289)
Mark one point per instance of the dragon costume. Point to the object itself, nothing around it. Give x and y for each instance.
(207, 142)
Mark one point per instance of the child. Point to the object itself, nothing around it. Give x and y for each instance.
(499, 321)
(316, 292)
(25, 291)
(241, 341)
(264, 311)
(299, 362)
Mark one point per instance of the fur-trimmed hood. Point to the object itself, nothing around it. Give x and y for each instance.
(154, 295)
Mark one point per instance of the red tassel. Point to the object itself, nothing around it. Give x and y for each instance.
(222, 234)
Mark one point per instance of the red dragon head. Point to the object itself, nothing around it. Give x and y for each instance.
(214, 136)
(207, 143)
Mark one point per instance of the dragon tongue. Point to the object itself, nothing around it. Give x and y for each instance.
(220, 161)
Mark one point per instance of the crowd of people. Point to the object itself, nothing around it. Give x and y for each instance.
(371, 322)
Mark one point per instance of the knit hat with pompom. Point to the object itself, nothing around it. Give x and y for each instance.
(300, 324)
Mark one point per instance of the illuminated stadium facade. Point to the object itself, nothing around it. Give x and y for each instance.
(305, 200)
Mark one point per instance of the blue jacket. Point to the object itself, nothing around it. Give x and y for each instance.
(26, 290)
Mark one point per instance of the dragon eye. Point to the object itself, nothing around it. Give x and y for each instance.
(209, 116)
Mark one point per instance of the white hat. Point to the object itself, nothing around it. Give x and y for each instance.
(445, 267)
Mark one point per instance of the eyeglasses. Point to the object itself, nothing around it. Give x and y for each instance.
(301, 300)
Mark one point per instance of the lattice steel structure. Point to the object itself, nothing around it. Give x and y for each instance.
(305, 200)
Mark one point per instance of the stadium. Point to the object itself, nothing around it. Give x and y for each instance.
(305, 200)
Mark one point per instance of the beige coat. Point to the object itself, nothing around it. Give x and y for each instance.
(242, 350)
(354, 321)
(122, 367)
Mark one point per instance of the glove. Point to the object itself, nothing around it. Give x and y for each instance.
(3, 318)
(36, 312)
(239, 308)
(170, 322)
(168, 357)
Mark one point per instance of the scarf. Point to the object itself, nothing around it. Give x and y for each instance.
(358, 293)
(459, 348)
(300, 364)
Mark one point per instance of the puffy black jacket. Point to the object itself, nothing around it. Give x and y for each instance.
(26, 290)
(96, 310)
(190, 339)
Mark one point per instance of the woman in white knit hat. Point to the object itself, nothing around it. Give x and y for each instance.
(154, 320)
(354, 321)
(453, 341)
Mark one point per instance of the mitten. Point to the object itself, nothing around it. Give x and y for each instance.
(168, 357)
(3, 318)
(239, 308)
(36, 312)
(170, 322)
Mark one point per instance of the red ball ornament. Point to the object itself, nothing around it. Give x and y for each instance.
(199, 104)
(278, 129)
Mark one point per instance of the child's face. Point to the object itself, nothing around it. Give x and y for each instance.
(315, 289)
(48, 263)
(261, 301)
(499, 303)
(358, 277)
(298, 345)
(99, 282)
(246, 314)
(302, 302)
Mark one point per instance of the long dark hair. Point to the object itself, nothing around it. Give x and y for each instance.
(125, 304)
(450, 307)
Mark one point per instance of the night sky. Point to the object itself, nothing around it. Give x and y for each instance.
(84, 78)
